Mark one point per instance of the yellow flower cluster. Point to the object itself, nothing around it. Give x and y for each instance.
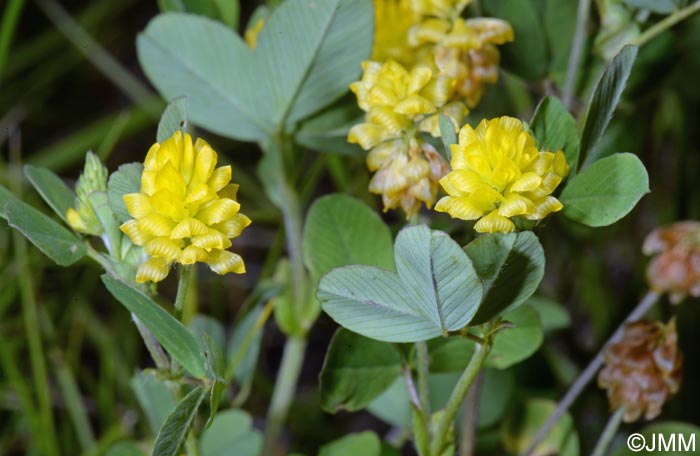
(186, 210)
(399, 104)
(426, 61)
(432, 32)
(498, 173)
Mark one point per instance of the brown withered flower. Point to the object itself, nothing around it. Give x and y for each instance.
(643, 369)
(676, 267)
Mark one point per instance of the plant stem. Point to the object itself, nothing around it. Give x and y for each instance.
(183, 285)
(152, 345)
(285, 386)
(589, 373)
(584, 8)
(74, 403)
(668, 22)
(460, 390)
(470, 418)
(423, 369)
(608, 434)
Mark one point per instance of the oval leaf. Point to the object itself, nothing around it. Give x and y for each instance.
(604, 100)
(171, 334)
(435, 290)
(341, 231)
(366, 444)
(172, 435)
(51, 188)
(56, 242)
(356, 370)
(606, 191)
(511, 267)
(232, 433)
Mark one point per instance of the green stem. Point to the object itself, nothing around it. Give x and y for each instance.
(608, 434)
(287, 377)
(665, 24)
(584, 8)
(423, 368)
(74, 403)
(183, 285)
(459, 392)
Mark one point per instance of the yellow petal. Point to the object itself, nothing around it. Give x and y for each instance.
(192, 254)
(164, 247)
(189, 227)
(204, 163)
(168, 205)
(494, 223)
(187, 161)
(527, 182)
(218, 211)
(132, 230)
(545, 207)
(151, 161)
(213, 239)
(515, 204)
(464, 208)
(222, 262)
(75, 221)
(367, 135)
(234, 226)
(148, 182)
(199, 194)
(219, 178)
(155, 225)
(137, 204)
(153, 270)
(230, 192)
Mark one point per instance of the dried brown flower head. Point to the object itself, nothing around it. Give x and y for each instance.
(676, 267)
(643, 369)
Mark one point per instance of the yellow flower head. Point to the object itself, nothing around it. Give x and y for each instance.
(399, 102)
(186, 211)
(392, 21)
(498, 173)
(465, 50)
(445, 9)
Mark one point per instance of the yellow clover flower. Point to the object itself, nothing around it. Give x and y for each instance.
(400, 104)
(186, 210)
(499, 173)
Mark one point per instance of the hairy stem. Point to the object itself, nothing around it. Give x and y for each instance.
(608, 434)
(589, 373)
(183, 285)
(459, 392)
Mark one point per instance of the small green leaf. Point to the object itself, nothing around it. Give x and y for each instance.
(555, 129)
(366, 444)
(154, 397)
(356, 370)
(127, 179)
(552, 314)
(51, 188)
(56, 242)
(519, 429)
(496, 396)
(516, 344)
(606, 191)
(511, 267)
(201, 324)
(559, 21)
(527, 56)
(174, 119)
(231, 433)
(171, 334)
(172, 435)
(603, 102)
(435, 290)
(246, 367)
(448, 134)
(340, 231)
